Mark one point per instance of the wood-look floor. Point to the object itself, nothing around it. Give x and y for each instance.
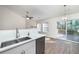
(56, 46)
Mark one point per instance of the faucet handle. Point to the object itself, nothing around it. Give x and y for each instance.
(28, 34)
(17, 33)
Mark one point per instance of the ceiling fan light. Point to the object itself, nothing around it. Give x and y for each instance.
(27, 18)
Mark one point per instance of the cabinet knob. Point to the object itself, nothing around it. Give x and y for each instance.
(23, 52)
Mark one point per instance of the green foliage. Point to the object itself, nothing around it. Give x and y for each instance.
(70, 31)
(72, 26)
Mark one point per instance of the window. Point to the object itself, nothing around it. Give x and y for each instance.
(39, 27)
(42, 27)
(45, 27)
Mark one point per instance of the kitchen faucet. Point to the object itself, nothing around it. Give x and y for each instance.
(17, 33)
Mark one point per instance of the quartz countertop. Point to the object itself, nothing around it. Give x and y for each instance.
(32, 36)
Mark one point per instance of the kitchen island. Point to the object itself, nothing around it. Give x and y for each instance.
(35, 45)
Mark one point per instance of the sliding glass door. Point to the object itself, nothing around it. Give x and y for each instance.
(61, 27)
(69, 29)
(73, 30)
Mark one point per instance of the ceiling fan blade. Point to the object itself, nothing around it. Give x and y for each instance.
(27, 15)
(30, 17)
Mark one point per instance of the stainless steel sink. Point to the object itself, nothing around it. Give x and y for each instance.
(23, 39)
(8, 43)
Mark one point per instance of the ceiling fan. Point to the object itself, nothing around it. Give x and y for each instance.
(27, 16)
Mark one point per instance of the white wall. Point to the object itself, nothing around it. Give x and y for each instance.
(52, 26)
(12, 20)
(52, 22)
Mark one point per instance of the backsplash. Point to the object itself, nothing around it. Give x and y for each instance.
(11, 34)
(7, 33)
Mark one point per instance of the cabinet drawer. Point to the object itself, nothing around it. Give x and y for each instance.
(29, 48)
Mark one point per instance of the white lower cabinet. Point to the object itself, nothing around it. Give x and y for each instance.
(27, 48)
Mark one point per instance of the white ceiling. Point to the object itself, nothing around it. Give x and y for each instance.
(40, 12)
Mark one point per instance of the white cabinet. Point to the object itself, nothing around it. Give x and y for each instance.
(27, 48)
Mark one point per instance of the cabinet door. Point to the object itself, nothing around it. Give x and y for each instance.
(27, 48)
(40, 45)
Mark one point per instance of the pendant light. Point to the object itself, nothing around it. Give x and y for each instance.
(65, 19)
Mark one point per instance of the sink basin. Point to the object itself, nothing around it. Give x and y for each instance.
(7, 43)
(23, 39)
